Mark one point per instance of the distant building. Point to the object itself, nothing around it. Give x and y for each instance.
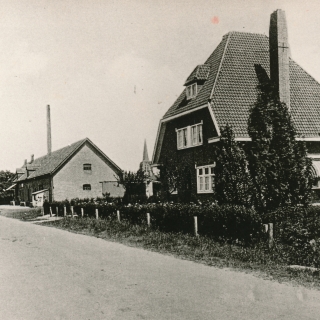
(79, 170)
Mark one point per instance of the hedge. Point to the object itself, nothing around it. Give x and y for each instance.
(223, 223)
(297, 231)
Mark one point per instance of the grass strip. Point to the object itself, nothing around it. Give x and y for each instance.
(25, 214)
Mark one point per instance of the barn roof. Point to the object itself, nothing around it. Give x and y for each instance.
(49, 164)
(231, 86)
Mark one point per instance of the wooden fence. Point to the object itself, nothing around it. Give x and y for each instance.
(268, 228)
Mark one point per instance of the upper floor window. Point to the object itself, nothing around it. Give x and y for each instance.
(189, 136)
(87, 166)
(182, 136)
(196, 134)
(191, 91)
(87, 187)
(205, 179)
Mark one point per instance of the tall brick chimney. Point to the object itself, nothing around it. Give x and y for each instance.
(48, 130)
(279, 55)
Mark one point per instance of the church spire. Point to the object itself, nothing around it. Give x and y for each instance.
(145, 152)
(145, 164)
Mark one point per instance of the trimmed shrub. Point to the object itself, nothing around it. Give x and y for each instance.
(226, 223)
(297, 230)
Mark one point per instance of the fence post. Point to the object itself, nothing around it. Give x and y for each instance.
(50, 211)
(82, 212)
(196, 226)
(97, 214)
(270, 234)
(42, 211)
(57, 210)
(64, 211)
(71, 211)
(148, 219)
(118, 215)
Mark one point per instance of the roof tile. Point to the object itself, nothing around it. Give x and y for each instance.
(234, 82)
(48, 163)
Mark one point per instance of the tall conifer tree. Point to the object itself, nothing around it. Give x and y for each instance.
(279, 166)
(260, 130)
(232, 179)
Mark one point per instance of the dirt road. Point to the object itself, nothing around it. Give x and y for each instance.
(46, 273)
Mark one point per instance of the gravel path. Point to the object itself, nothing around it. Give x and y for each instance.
(48, 273)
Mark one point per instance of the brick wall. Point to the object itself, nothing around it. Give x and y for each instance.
(199, 155)
(68, 182)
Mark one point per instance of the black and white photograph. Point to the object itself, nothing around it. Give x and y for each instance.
(159, 159)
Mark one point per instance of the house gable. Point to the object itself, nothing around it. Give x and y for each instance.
(50, 164)
(199, 153)
(73, 179)
(191, 115)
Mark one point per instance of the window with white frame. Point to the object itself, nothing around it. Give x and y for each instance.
(205, 178)
(86, 187)
(182, 138)
(196, 134)
(191, 91)
(189, 136)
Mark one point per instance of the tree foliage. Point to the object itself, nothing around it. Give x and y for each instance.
(233, 183)
(6, 178)
(134, 184)
(175, 177)
(279, 167)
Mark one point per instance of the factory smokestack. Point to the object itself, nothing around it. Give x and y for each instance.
(48, 130)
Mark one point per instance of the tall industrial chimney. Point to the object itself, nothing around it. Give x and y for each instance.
(48, 130)
(279, 55)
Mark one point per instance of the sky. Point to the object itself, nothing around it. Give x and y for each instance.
(110, 69)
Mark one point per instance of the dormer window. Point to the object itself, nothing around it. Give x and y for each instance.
(191, 91)
(196, 80)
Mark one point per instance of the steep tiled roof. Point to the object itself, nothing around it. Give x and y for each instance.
(232, 86)
(182, 104)
(201, 72)
(49, 163)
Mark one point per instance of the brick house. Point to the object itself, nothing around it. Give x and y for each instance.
(76, 171)
(222, 90)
